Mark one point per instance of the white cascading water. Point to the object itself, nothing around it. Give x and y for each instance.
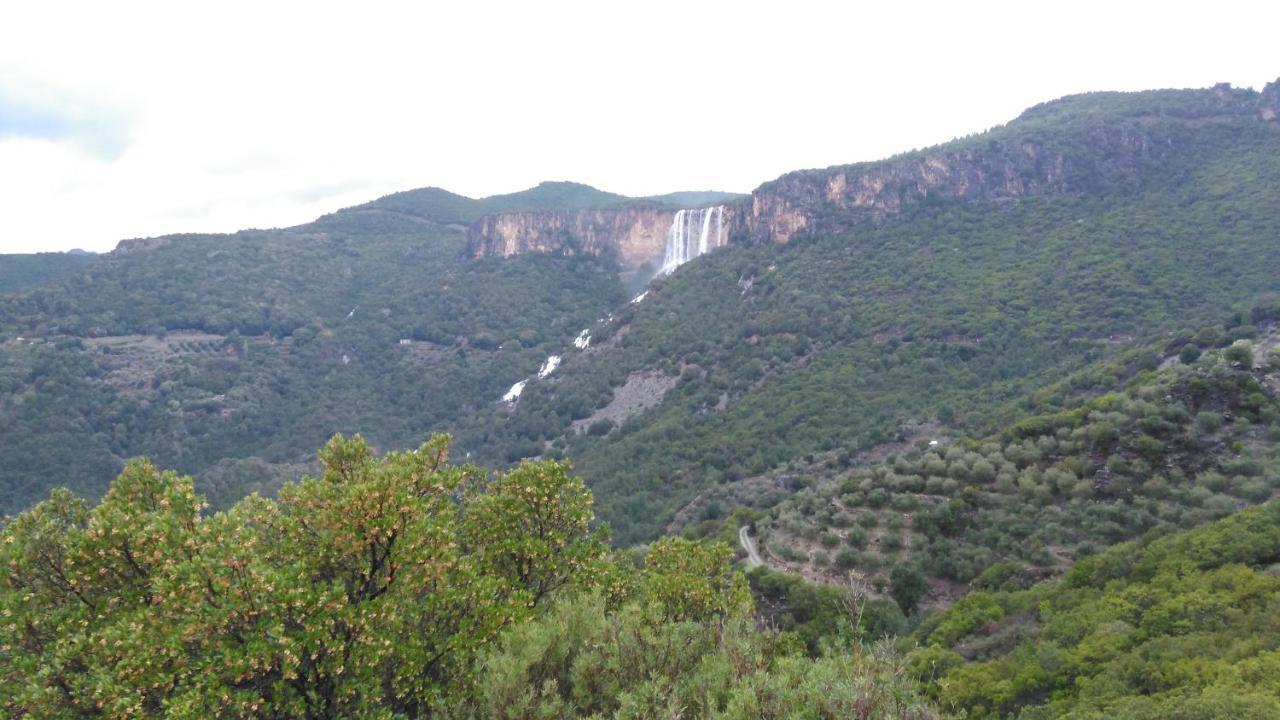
(549, 366)
(692, 233)
(514, 393)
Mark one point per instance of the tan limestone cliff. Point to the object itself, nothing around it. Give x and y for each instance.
(637, 233)
(1078, 156)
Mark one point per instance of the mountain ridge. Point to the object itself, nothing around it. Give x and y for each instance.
(235, 354)
(1130, 131)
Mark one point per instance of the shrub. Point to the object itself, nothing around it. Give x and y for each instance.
(847, 559)
(907, 586)
(1208, 422)
(600, 427)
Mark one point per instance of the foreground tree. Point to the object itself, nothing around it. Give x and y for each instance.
(394, 587)
(367, 591)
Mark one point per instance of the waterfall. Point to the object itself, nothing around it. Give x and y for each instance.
(692, 233)
(549, 366)
(514, 393)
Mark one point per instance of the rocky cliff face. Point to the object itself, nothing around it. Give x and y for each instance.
(637, 233)
(1090, 144)
(133, 245)
(1078, 156)
(1270, 102)
(836, 198)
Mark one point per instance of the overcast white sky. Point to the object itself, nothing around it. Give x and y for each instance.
(122, 119)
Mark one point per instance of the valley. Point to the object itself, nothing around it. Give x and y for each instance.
(987, 429)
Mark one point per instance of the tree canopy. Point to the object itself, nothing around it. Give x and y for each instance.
(391, 587)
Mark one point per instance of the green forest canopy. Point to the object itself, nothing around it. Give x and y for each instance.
(390, 587)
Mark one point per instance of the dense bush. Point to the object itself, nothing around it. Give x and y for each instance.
(1158, 456)
(394, 587)
(1184, 626)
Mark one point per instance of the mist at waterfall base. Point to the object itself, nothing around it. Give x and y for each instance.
(692, 233)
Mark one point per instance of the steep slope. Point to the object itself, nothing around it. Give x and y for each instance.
(635, 234)
(1184, 626)
(1097, 144)
(946, 308)
(856, 308)
(1183, 446)
(227, 356)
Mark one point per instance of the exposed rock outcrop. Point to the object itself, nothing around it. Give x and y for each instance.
(1270, 103)
(637, 233)
(1109, 151)
(133, 245)
(1095, 144)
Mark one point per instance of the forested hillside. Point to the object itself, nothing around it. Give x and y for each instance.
(18, 272)
(227, 355)
(441, 206)
(1001, 418)
(953, 317)
(947, 304)
(1184, 626)
(1179, 447)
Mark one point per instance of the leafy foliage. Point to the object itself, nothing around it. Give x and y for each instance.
(391, 587)
(368, 590)
(819, 613)
(1181, 626)
(581, 661)
(1178, 448)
